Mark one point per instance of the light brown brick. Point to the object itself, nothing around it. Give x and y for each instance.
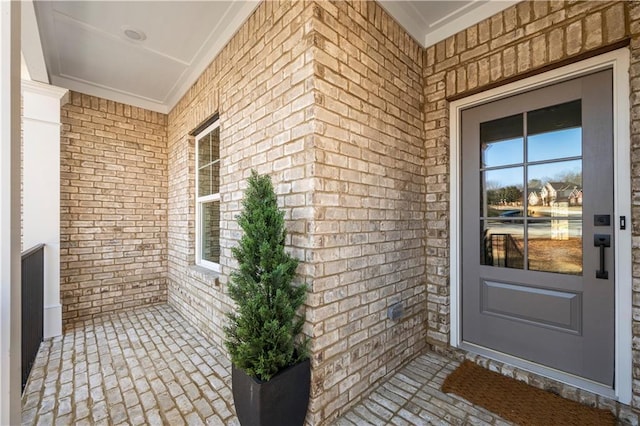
(101, 183)
(574, 38)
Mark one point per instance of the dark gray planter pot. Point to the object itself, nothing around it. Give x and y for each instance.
(282, 401)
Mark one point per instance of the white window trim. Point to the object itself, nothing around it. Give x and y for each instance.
(617, 60)
(201, 200)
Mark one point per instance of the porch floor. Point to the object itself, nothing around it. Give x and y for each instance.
(412, 396)
(142, 366)
(148, 366)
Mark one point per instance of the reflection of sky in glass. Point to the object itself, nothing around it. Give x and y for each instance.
(560, 144)
(544, 172)
(501, 153)
(554, 171)
(504, 177)
(541, 147)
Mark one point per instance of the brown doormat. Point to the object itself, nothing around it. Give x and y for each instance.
(518, 402)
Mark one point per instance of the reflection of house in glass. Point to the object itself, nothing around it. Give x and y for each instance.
(560, 228)
(575, 198)
(556, 192)
(559, 195)
(535, 198)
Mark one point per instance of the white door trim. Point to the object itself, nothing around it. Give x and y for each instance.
(618, 60)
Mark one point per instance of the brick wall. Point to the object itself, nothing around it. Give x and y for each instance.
(517, 41)
(348, 115)
(305, 93)
(633, 28)
(369, 202)
(113, 207)
(260, 84)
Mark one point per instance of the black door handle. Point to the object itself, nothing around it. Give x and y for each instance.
(602, 241)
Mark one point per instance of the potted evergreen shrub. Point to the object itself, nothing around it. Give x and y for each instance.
(271, 370)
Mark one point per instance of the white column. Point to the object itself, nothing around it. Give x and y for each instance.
(41, 189)
(10, 327)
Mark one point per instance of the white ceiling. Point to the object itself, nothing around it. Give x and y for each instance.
(85, 49)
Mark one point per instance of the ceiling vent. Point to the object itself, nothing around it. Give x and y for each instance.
(134, 34)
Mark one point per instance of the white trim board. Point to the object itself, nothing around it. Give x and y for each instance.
(52, 321)
(617, 60)
(10, 270)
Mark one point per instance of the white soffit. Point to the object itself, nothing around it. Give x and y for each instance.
(429, 22)
(86, 49)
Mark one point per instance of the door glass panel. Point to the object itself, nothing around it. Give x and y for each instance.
(558, 144)
(502, 141)
(501, 153)
(555, 189)
(555, 245)
(556, 117)
(501, 189)
(552, 191)
(554, 132)
(502, 243)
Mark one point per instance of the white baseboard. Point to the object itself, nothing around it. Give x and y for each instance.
(52, 321)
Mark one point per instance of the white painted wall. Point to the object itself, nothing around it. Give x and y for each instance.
(10, 341)
(41, 189)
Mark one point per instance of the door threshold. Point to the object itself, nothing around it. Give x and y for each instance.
(541, 370)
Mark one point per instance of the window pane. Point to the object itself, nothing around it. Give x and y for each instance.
(209, 148)
(502, 243)
(555, 246)
(556, 117)
(210, 228)
(209, 179)
(209, 164)
(555, 132)
(501, 153)
(552, 145)
(555, 189)
(204, 181)
(215, 144)
(204, 151)
(215, 177)
(502, 191)
(502, 141)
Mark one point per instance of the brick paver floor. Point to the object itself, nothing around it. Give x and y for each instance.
(143, 366)
(413, 397)
(148, 366)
